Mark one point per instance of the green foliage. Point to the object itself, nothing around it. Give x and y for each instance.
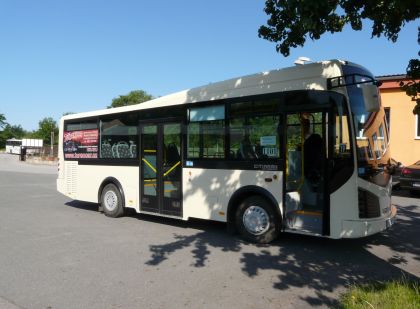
(134, 97)
(11, 131)
(2, 120)
(394, 294)
(292, 21)
(45, 127)
(412, 87)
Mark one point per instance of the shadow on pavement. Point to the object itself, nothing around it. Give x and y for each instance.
(322, 265)
(83, 205)
(405, 193)
(404, 236)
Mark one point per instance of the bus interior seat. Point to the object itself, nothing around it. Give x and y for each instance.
(246, 151)
(133, 150)
(106, 150)
(114, 151)
(123, 150)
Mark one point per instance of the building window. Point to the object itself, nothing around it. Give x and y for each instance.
(388, 120)
(381, 139)
(370, 153)
(378, 153)
(417, 127)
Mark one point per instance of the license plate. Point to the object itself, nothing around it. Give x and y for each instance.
(390, 222)
(416, 184)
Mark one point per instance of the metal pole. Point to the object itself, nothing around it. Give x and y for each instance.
(52, 144)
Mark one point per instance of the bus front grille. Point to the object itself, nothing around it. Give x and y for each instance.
(369, 206)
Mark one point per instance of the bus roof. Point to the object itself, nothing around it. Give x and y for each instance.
(309, 76)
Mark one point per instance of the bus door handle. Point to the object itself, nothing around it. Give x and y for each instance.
(268, 179)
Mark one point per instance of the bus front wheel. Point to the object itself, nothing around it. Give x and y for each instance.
(257, 221)
(111, 201)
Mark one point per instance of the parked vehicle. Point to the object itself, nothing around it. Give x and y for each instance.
(395, 169)
(410, 177)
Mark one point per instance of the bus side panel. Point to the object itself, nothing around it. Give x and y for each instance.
(82, 182)
(206, 192)
(343, 207)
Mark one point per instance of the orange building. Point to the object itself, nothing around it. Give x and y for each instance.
(404, 126)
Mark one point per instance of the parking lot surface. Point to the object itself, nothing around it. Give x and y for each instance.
(59, 253)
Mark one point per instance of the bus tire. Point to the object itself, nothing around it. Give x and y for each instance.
(257, 221)
(112, 201)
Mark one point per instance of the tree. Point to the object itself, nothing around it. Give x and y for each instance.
(292, 21)
(412, 87)
(134, 97)
(11, 131)
(3, 122)
(45, 127)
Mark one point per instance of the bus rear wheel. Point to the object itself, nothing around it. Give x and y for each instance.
(111, 201)
(257, 221)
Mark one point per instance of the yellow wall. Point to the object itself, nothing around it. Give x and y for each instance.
(404, 145)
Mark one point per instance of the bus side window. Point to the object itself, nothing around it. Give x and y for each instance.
(254, 137)
(206, 132)
(119, 137)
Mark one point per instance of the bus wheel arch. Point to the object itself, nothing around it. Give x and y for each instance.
(263, 202)
(111, 198)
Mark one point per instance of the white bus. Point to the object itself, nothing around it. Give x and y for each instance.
(32, 145)
(303, 149)
(13, 146)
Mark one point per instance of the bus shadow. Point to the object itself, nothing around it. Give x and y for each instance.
(83, 205)
(295, 261)
(405, 193)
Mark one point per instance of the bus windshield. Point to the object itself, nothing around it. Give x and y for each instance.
(371, 130)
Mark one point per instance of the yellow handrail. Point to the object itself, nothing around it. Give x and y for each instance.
(149, 165)
(172, 168)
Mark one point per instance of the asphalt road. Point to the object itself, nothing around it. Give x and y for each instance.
(58, 253)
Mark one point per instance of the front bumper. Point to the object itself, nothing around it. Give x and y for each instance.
(363, 228)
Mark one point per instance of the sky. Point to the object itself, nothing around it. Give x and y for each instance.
(60, 56)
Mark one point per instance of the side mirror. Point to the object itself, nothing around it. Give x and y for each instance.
(371, 97)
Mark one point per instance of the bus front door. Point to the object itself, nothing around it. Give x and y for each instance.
(307, 198)
(161, 169)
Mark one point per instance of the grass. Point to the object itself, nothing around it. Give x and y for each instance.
(383, 295)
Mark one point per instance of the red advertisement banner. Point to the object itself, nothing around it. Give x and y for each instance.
(81, 144)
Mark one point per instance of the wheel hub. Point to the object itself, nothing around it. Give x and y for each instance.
(256, 220)
(110, 200)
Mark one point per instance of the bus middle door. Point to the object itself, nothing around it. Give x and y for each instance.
(161, 168)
